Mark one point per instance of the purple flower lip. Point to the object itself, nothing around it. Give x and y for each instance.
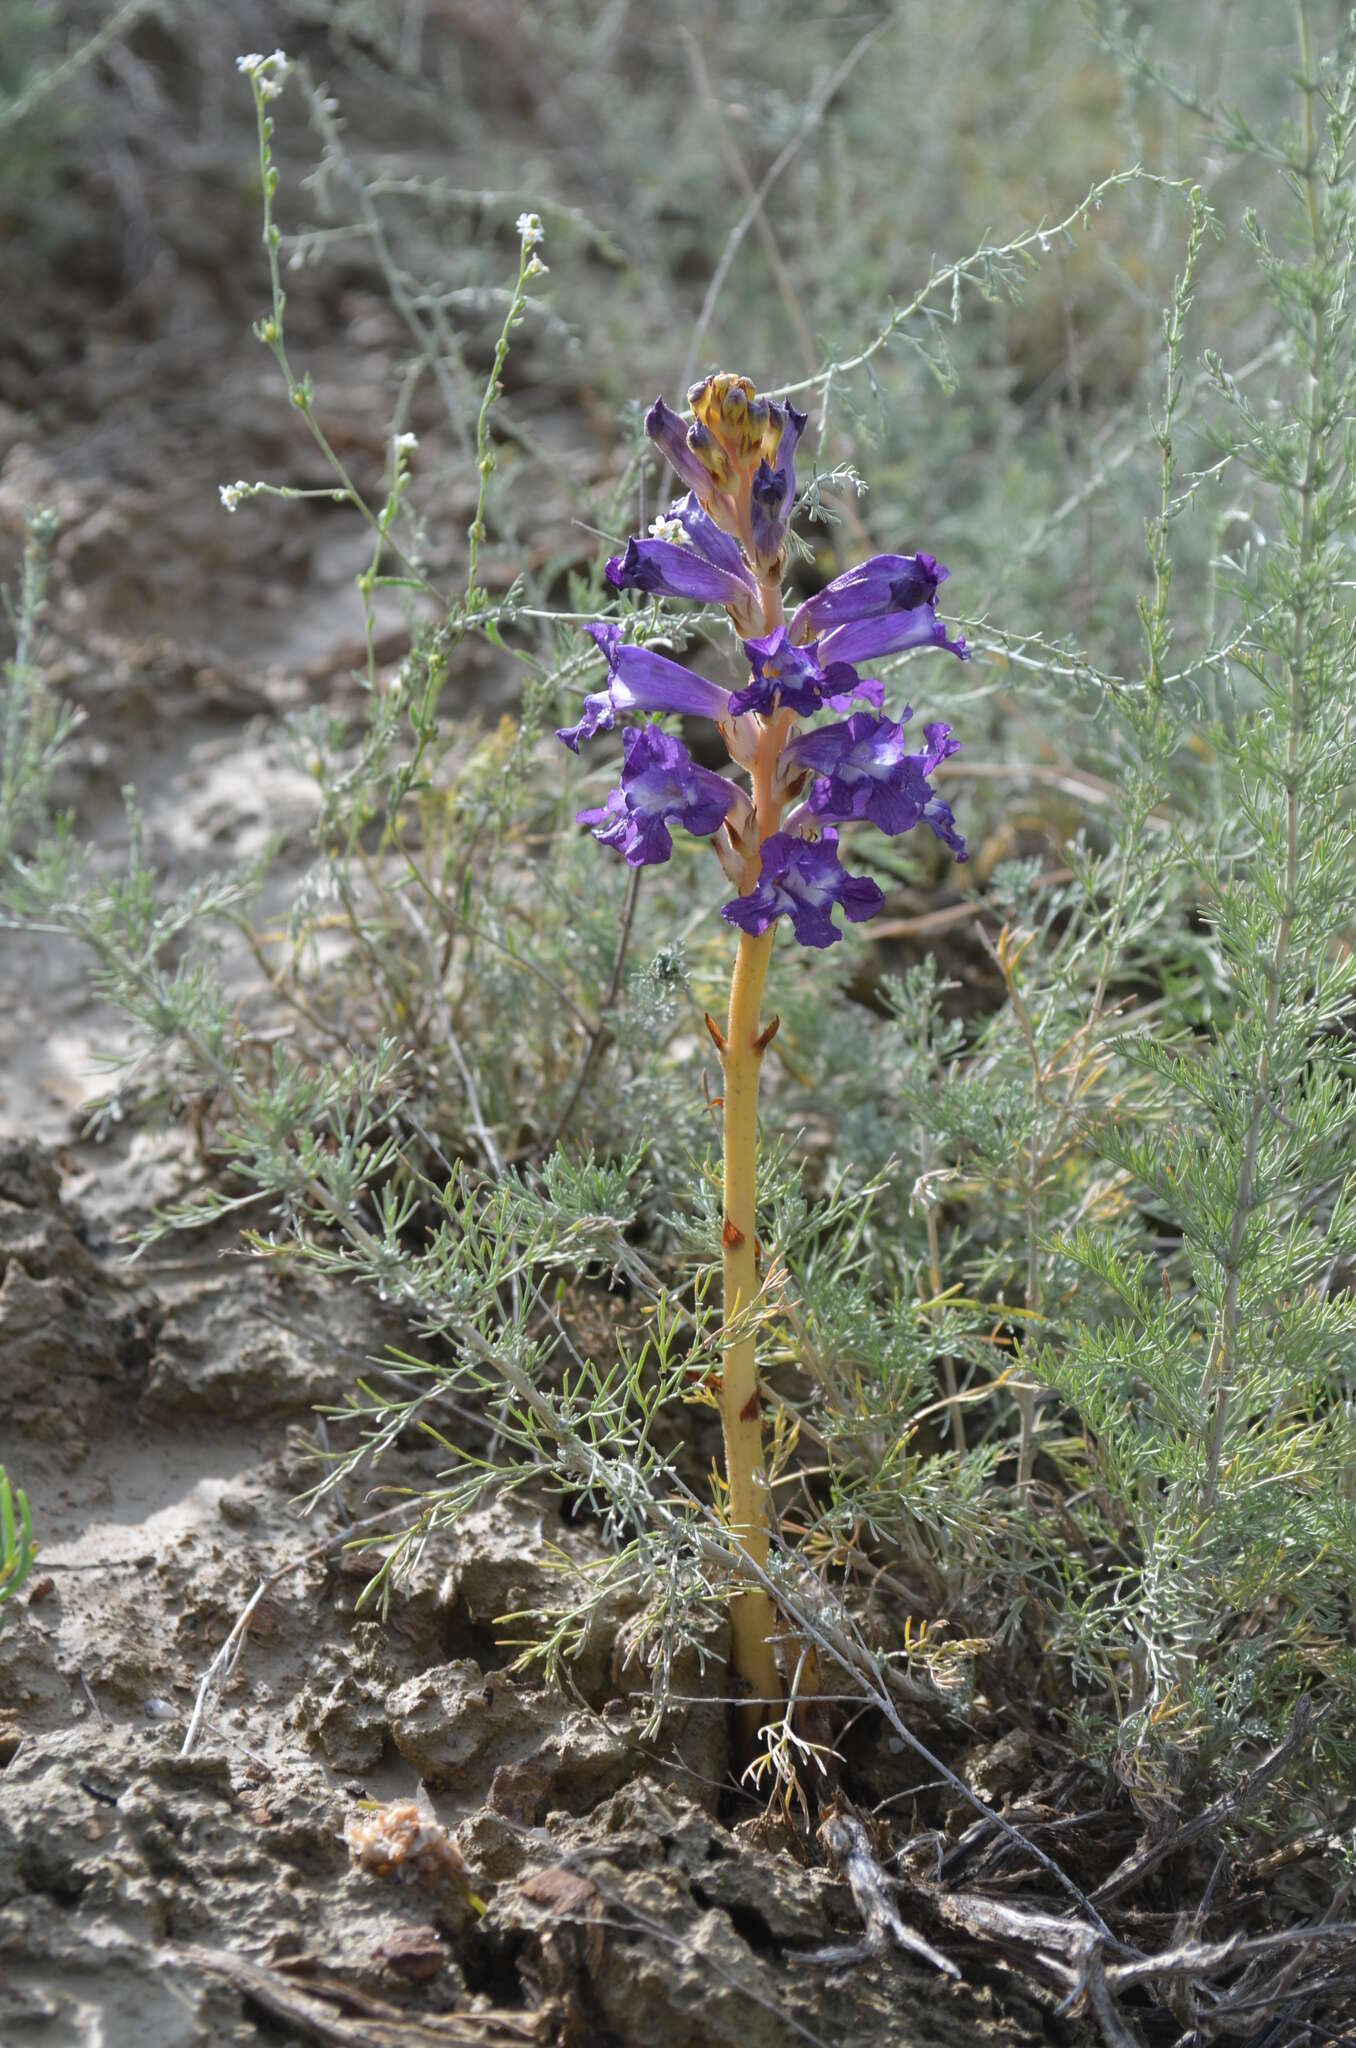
(663, 568)
(660, 785)
(870, 639)
(887, 583)
(803, 879)
(710, 568)
(790, 678)
(639, 680)
(709, 540)
(864, 771)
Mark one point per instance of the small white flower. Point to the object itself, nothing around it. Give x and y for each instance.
(536, 268)
(669, 529)
(270, 71)
(530, 229)
(230, 496)
(405, 444)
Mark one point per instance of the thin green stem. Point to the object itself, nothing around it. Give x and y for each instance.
(1216, 1378)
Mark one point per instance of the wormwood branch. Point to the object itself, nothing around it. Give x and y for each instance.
(1150, 1854)
(1229, 123)
(598, 1038)
(757, 196)
(849, 1845)
(58, 76)
(1320, 417)
(756, 213)
(994, 269)
(530, 266)
(34, 727)
(439, 350)
(267, 77)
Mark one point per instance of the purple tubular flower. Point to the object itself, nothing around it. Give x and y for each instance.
(641, 681)
(664, 568)
(803, 880)
(790, 677)
(660, 785)
(887, 583)
(869, 639)
(667, 430)
(865, 772)
(773, 490)
(708, 539)
(710, 568)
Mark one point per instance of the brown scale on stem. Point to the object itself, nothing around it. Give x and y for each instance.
(766, 1036)
(705, 1376)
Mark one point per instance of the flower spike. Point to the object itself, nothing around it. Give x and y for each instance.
(724, 543)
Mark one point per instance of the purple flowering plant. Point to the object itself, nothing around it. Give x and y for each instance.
(725, 542)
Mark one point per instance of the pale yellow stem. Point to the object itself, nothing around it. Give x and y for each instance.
(752, 1616)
